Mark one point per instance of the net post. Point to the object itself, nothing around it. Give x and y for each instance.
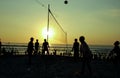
(66, 42)
(48, 23)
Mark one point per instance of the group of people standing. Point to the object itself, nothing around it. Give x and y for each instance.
(85, 52)
(80, 49)
(35, 50)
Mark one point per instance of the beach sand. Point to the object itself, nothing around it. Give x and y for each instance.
(54, 67)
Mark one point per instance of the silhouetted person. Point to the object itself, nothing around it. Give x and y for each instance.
(76, 50)
(45, 47)
(0, 46)
(116, 50)
(86, 53)
(30, 50)
(36, 46)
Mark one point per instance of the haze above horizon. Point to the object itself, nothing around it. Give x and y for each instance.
(97, 20)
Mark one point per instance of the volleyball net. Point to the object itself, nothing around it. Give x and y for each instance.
(57, 34)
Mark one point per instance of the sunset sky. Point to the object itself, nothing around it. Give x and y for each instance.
(97, 20)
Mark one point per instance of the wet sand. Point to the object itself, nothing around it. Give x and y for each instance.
(54, 67)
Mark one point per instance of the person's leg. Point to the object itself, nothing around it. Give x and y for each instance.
(43, 52)
(89, 67)
(75, 56)
(36, 52)
(29, 59)
(83, 66)
(47, 51)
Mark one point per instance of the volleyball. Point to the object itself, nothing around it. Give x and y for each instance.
(65, 2)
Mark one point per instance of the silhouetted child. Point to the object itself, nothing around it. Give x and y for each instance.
(45, 47)
(86, 53)
(36, 46)
(30, 50)
(76, 50)
(116, 51)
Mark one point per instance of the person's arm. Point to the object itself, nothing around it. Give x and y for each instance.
(43, 46)
(73, 47)
(33, 47)
(48, 45)
(81, 50)
(111, 52)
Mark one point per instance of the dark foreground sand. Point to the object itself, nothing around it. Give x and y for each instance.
(53, 67)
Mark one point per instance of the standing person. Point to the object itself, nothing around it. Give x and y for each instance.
(30, 50)
(0, 46)
(76, 50)
(86, 53)
(116, 50)
(45, 47)
(36, 46)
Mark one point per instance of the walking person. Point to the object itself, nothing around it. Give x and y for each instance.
(76, 50)
(30, 50)
(86, 53)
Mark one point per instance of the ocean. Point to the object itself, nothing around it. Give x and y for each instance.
(61, 49)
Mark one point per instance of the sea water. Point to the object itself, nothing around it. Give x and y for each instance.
(21, 48)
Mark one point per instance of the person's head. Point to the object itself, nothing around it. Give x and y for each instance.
(82, 38)
(31, 39)
(75, 39)
(116, 43)
(36, 40)
(44, 40)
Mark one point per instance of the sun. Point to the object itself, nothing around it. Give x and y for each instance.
(50, 33)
